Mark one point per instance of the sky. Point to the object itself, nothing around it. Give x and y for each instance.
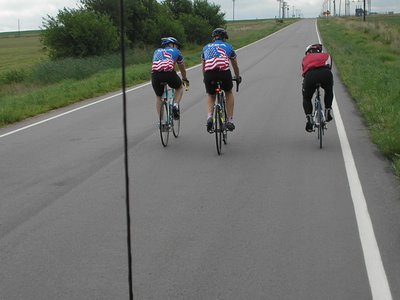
(24, 15)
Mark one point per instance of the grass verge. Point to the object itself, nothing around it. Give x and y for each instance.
(367, 55)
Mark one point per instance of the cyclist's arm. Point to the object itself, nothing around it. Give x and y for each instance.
(235, 67)
(183, 70)
(202, 66)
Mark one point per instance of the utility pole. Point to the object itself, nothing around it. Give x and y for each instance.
(364, 10)
(283, 9)
(334, 8)
(233, 13)
(279, 10)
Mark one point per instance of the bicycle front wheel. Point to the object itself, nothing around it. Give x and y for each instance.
(218, 129)
(164, 124)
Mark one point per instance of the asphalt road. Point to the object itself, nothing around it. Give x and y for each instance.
(273, 217)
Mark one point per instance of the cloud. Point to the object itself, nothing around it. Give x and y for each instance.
(29, 14)
(252, 9)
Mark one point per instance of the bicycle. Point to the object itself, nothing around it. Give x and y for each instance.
(167, 122)
(319, 116)
(220, 117)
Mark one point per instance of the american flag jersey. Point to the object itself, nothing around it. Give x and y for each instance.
(164, 59)
(216, 55)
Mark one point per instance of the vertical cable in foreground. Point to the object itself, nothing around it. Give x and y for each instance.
(128, 218)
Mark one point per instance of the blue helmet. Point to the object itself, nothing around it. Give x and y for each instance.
(169, 40)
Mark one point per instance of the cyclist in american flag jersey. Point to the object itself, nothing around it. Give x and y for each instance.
(217, 57)
(163, 70)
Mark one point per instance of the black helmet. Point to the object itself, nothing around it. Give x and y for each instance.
(314, 48)
(220, 32)
(169, 40)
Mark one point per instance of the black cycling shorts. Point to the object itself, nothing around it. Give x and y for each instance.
(173, 80)
(211, 78)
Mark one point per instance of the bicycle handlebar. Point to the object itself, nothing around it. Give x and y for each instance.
(186, 84)
(238, 81)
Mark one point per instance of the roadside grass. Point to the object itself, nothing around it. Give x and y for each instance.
(367, 55)
(38, 85)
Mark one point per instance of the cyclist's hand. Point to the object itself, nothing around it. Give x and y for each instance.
(186, 83)
(238, 79)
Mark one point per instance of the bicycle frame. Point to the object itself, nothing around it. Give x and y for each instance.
(220, 118)
(319, 116)
(167, 122)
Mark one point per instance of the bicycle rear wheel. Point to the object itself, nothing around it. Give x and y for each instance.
(321, 125)
(218, 129)
(225, 130)
(164, 124)
(176, 125)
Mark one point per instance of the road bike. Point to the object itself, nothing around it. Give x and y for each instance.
(167, 121)
(319, 116)
(220, 117)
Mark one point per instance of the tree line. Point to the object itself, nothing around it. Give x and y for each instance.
(93, 29)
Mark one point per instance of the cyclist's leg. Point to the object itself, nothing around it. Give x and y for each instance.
(210, 104)
(308, 92)
(175, 82)
(158, 89)
(230, 104)
(227, 86)
(327, 85)
(210, 85)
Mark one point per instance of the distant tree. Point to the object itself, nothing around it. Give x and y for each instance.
(106, 7)
(168, 26)
(209, 12)
(79, 33)
(148, 20)
(141, 18)
(197, 30)
(179, 7)
(111, 8)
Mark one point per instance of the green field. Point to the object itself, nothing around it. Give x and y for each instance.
(20, 50)
(367, 55)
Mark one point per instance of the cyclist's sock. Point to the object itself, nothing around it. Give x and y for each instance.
(209, 116)
(230, 119)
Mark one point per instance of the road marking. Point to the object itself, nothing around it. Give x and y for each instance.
(71, 111)
(376, 272)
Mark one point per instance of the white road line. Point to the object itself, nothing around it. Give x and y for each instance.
(71, 111)
(376, 272)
